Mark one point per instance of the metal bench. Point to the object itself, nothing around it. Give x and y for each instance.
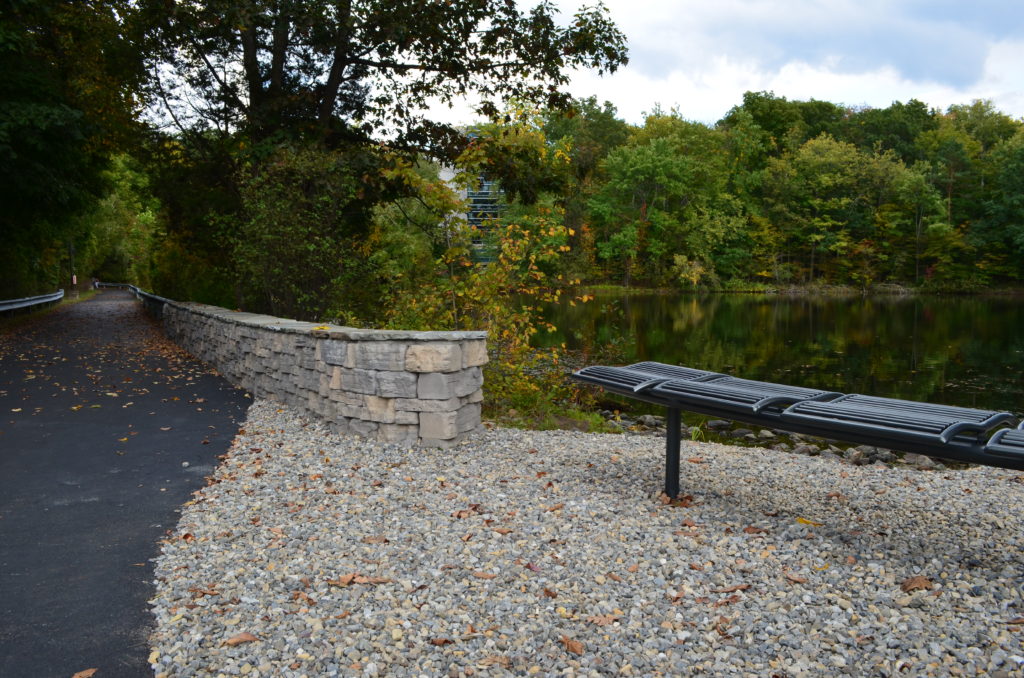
(954, 433)
(1007, 443)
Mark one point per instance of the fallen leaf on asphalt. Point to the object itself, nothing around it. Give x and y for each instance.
(917, 583)
(87, 673)
(165, 428)
(244, 637)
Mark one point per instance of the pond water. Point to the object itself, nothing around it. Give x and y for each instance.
(966, 351)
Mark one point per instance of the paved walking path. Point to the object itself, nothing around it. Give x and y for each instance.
(106, 429)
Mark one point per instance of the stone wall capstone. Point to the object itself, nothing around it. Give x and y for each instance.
(421, 388)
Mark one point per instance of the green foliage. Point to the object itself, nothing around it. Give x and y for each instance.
(66, 102)
(299, 243)
(122, 227)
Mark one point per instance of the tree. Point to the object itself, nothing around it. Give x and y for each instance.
(588, 132)
(894, 128)
(67, 80)
(349, 71)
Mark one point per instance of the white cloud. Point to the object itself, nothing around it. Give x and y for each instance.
(702, 56)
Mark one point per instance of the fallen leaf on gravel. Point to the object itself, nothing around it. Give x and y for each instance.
(441, 641)
(633, 568)
(1015, 621)
(614, 577)
(555, 507)
(731, 589)
(804, 521)
(343, 580)
(795, 578)
(696, 460)
(87, 673)
(734, 598)
(360, 579)
(484, 575)
(495, 659)
(603, 620)
(574, 646)
(916, 583)
(550, 594)
(244, 637)
(199, 593)
(375, 540)
(750, 529)
(502, 530)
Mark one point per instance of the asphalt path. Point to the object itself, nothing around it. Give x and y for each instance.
(106, 429)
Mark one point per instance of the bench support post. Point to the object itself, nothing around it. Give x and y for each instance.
(672, 452)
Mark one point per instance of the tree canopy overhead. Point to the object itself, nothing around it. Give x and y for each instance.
(354, 70)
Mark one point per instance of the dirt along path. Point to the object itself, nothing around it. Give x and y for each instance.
(106, 428)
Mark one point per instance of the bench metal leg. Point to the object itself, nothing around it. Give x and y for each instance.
(672, 441)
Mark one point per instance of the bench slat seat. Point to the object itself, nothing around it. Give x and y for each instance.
(901, 419)
(638, 378)
(1008, 442)
(740, 395)
(671, 371)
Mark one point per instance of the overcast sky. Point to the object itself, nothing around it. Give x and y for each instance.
(702, 55)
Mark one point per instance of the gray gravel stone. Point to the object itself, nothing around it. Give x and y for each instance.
(550, 553)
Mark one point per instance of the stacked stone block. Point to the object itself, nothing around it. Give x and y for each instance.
(413, 387)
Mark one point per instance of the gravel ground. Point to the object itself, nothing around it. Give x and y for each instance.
(552, 553)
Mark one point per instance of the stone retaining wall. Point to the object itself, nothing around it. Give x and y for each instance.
(413, 387)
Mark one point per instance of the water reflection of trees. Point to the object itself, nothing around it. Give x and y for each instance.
(962, 351)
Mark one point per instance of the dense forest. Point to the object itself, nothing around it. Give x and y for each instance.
(278, 157)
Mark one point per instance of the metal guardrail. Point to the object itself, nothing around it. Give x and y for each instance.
(28, 302)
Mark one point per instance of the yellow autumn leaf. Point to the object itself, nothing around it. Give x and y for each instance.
(804, 521)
